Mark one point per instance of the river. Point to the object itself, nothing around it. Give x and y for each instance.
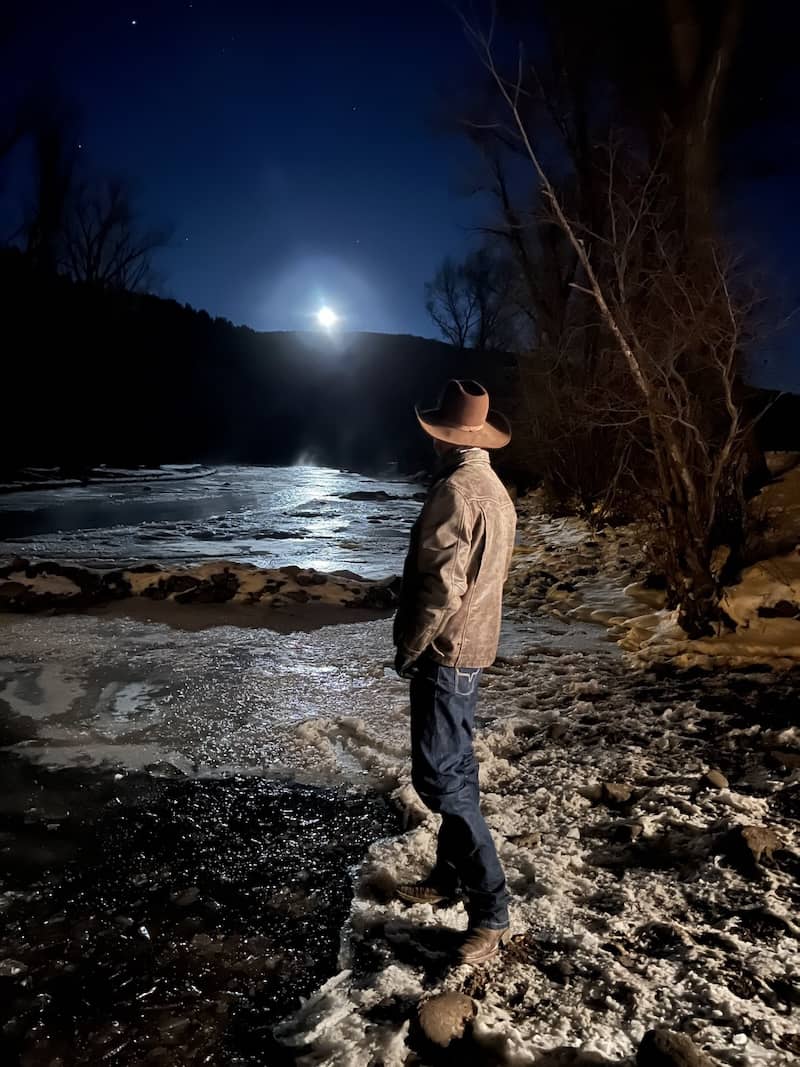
(177, 842)
(268, 516)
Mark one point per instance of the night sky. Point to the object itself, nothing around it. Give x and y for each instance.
(295, 149)
(298, 155)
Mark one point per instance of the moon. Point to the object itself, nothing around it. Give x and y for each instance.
(327, 318)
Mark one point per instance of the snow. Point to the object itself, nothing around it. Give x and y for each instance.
(760, 635)
(46, 584)
(572, 571)
(651, 931)
(626, 914)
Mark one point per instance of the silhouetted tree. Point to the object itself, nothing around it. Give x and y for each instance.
(104, 244)
(51, 126)
(471, 302)
(671, 316)
(451, 304)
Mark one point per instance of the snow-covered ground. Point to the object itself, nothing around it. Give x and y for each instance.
(641, 896)
(622, 798)
(630, 912)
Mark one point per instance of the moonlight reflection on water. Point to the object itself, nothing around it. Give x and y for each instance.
(268, 516)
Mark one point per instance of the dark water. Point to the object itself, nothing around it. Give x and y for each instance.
(168, 920)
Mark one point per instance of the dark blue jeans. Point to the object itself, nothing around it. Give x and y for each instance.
(445, 774)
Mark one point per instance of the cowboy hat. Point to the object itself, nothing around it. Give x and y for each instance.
(464, 418)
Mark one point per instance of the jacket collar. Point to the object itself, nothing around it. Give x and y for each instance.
(459, 457)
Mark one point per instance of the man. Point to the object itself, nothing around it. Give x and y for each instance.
(446, 630)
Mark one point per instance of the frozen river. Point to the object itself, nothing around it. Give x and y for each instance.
(79, 689)
(268, 516)
(105, 690)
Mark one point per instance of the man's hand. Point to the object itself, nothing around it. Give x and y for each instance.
(404, 663)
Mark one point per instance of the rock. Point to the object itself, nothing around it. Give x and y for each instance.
(299, 596)
(175, 583)
(217, 590)
(443, 1018)
(530, 840)
(556, 730)
(163, 769)
(753, 843)
(616, 792)
(789, 760)
(714, 779)
(627, 832)
(12, 968)
(18, 563)
(383, 595)
(666, 1048)
(11, 590)
(784, 609)
(189, 896)
(367, 494)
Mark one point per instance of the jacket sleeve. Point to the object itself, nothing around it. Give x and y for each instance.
(440, 564)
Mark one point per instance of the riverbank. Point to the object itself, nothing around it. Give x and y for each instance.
(646, 816)
(647, 821)
(29, 587)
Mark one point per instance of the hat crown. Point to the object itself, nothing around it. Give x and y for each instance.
(464, 404)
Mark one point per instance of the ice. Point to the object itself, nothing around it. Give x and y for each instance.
(129, 693)
(268, 516)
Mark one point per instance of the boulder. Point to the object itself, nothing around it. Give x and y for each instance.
(667, 1048)
(616, 792)
(755, 842)
(444, 1017)
(714, 779)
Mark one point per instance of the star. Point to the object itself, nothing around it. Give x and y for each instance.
(133, 22)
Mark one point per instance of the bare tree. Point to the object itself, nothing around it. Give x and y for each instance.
(701, 51)
(51, 125)
(104, 244)
(676, 323)
(471, 302)
(451, 304)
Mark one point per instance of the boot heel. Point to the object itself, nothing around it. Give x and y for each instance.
(505, 937)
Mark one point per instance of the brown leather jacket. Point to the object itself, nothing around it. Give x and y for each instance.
(452, 592)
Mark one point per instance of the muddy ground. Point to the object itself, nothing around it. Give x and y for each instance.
(168, 920)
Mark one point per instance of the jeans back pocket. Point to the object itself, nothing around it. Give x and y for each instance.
(466, 680)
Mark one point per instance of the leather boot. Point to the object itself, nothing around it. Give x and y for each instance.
(422, 893)
(480, 943)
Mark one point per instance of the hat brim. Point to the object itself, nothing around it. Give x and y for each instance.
(495, 432)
